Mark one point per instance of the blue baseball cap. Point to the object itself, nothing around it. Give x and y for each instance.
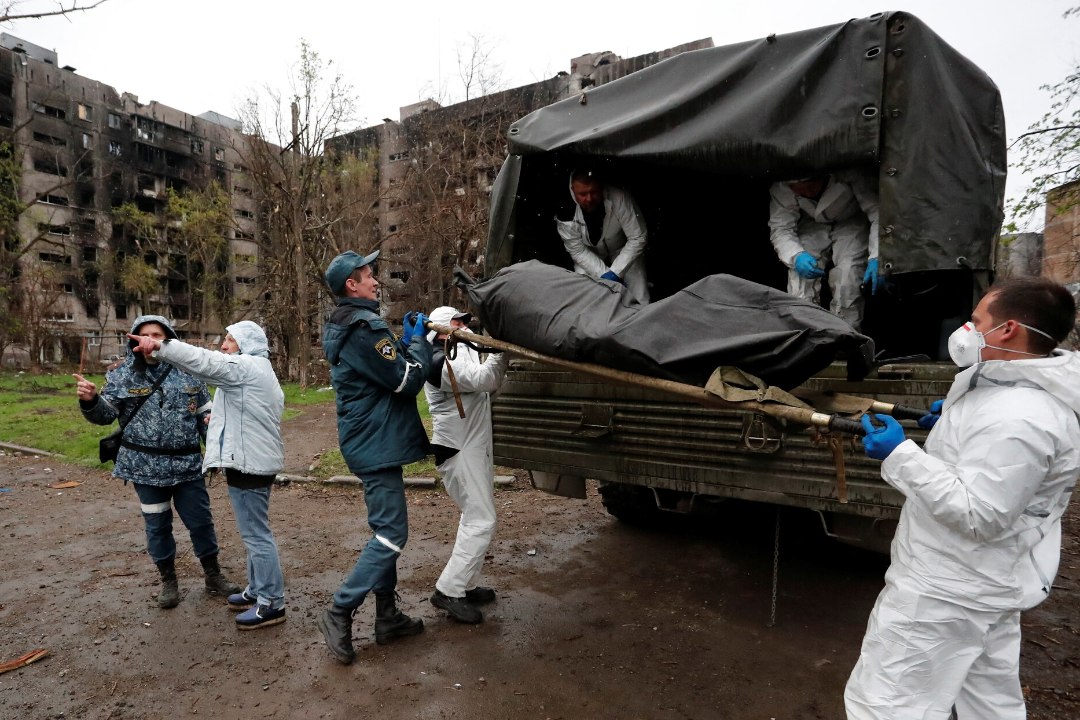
(343, 266)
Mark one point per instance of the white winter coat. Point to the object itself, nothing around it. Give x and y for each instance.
(476, 382)
(620, 247)
(981, 526)
(245, 424)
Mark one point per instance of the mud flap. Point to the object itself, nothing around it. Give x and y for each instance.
(572, 486)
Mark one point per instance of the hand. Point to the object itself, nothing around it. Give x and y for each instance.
(880, 441)
(146, 344)
(413, 326)
(927, 421)
(806, 266)
(85, 389)
(871, 275)
(610, 275)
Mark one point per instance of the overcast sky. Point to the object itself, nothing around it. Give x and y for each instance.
(198, 55)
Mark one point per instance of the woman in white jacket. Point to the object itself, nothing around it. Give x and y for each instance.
(244, 440)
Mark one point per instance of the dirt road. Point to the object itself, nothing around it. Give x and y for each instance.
(594, 619)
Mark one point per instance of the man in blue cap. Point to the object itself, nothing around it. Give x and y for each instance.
(376, 377)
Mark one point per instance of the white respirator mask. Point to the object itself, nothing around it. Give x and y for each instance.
(966, 344)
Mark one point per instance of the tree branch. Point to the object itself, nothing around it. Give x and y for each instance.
(7, 16)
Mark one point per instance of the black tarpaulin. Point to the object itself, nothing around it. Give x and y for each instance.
(719, 320)
(883, 91)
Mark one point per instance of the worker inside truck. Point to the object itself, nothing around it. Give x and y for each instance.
(700, 224)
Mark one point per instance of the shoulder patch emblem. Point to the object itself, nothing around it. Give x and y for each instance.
(386, 349)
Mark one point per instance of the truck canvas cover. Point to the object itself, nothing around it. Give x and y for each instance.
(698, 139)
(881, 91)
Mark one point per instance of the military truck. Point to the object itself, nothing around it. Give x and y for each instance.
(697, 140)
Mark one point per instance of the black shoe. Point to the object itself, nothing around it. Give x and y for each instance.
(459, 608)
(336, 627)
(391, 623)
(480, 595)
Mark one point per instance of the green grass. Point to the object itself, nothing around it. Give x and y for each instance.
(41, 411)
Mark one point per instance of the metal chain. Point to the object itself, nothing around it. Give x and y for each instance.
(775, 569)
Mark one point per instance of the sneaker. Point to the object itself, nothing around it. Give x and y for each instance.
(258, 617)
(241, 600)
(480, 595)
(459, 608)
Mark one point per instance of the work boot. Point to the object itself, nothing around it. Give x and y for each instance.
(336, 627)
(459, 608)
(390, 622)
(169, 597)
(480, 595)
(216, 582)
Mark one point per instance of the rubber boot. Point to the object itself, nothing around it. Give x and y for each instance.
(390, 622)
(169, 597)
(216, 582)
(336, 627)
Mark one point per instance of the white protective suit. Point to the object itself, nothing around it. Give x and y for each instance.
(620, 247)
(245, 424)
(979, 540)
(468, 476)
(842, 225)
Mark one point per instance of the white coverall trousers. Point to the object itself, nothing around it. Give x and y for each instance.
(469, 479)
(845, 242)
(922, 656)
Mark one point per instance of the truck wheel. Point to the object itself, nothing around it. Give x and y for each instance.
(631, 504)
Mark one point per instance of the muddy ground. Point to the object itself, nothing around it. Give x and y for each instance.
(595, 619)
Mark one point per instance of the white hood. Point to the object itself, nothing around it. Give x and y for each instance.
(1058, 375)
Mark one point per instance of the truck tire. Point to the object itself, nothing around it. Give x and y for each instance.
(631, 504)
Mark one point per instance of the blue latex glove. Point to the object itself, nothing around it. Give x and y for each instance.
(609, 275)
(806, 266)
(871, 275)
(927, 421)
(413, 326)
(881, 441)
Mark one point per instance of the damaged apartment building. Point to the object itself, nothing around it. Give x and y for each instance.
(436, 166)
(86, 150)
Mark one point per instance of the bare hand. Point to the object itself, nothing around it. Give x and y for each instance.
(85, 389)
(146, 344)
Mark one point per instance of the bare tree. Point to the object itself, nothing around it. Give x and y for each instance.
(455, 153)
(1050, 149)
(309, 200)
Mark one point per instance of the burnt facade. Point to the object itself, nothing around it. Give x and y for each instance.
(86, 150)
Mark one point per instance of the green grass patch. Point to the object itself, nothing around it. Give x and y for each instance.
(42, 412)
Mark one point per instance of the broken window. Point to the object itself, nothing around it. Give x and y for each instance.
(50, 165)
(86, 112)
(115, 149)
(89, 254)
(87, 141)
(49, 139)
(51, 199)
(240, 212)
(67, 288)
(121, 313)
(49, 110)
(57, 258)
(115, 121)
(245, 280)
(219, 154)
(196, 146)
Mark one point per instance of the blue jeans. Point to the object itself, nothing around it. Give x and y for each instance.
(376, 569)
(264, 578)
(192, 504)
